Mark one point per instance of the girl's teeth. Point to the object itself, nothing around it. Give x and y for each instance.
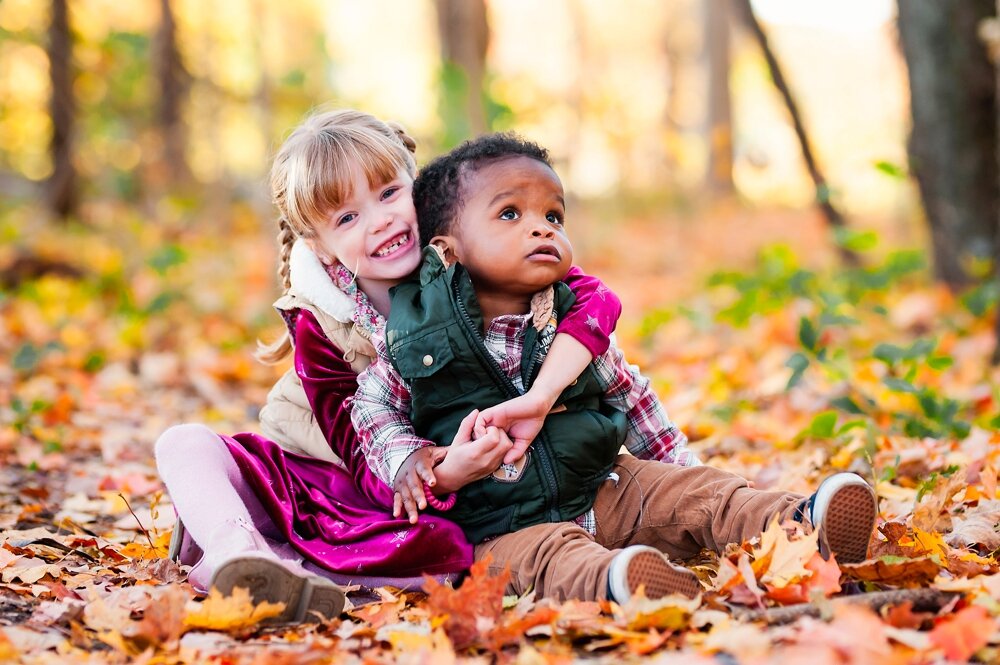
(391, 248)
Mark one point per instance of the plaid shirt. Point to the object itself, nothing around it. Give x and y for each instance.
(381, 407)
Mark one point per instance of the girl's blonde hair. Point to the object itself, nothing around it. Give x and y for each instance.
(313, 173)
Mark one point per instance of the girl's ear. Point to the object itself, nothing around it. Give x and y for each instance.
(317, 248)
(446, 248)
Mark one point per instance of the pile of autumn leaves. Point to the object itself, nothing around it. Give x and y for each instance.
(144, 612)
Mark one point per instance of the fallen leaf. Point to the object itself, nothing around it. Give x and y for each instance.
(786, 558)
(977, 526)
(235, 613)
(894, 570)
(963, 633)
(471, 610)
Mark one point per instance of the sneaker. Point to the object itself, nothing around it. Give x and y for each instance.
(641, 565)
(843, 510)
(308, 598)
(239, 556)
(183, 549)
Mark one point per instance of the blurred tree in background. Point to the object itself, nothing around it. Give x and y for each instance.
(168, 111)
(953, 142)
(62, 184)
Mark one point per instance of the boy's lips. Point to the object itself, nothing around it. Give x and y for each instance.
(545, 254)
(392, 246)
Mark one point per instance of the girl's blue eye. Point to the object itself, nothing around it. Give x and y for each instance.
(389, 192)
(554, 218)
(346, 219)
(509, 214)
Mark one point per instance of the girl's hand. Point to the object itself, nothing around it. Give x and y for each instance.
(409, 482)
(522, 418)
(473, 455)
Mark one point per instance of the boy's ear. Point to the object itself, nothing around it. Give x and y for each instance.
(446, 246)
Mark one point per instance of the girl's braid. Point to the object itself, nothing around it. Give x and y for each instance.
(274, 352)
(286, 238)
(403, 137)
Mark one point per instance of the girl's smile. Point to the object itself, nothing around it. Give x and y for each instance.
(391, 247)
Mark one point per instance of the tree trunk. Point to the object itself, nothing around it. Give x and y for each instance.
(173, 80)
(953, 141)
(61, 194)
(465, 34)
(720, 129)
(833, 216)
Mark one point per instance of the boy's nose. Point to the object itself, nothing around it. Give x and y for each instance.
(542, 231)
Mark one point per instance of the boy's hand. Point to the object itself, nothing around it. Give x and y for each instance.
(409, 482)
(475, 453)
(522, 418)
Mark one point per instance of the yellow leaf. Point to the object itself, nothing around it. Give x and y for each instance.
(670, 613)
(138, 550)
(788, 558)
(926, 542)
(230, 613)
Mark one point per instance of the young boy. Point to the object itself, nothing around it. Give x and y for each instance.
(571, 516)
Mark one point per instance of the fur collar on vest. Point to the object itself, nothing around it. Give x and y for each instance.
(311, 281)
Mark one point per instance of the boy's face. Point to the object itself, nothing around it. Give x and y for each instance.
(509, 231)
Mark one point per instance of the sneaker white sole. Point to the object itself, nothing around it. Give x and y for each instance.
(648, 567)
(845, 517)
(307, 598)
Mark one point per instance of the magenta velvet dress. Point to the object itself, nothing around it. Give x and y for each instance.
(340, 519)
(337, 518)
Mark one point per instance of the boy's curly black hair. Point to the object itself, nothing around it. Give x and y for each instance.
(437, 191)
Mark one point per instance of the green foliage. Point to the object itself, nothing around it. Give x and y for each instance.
(838, 303)
(890, 169)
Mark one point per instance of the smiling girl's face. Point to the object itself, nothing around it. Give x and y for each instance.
(373, 233)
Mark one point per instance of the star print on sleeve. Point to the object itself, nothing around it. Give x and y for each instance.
(592, 322)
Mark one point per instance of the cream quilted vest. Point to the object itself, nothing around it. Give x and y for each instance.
(287, 418)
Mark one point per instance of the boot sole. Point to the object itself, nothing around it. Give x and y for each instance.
(848, 524)
(307, 599)
(660, 577)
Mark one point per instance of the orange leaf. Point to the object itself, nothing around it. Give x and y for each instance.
(472, 610)
(825, 578)
(963, 633)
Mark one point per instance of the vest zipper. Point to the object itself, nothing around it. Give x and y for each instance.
(504, 382)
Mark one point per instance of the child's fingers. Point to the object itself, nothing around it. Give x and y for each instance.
(516, 451)
(466, 428)
(412, 510)
(397, 504)
(426, 474)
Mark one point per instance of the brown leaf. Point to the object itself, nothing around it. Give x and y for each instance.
(978, 526)
(895, 571)
(893, 532)
(138, 618)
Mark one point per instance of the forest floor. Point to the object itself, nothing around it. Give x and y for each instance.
(781, 367)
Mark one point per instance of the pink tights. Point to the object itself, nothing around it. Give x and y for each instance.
(210, 494)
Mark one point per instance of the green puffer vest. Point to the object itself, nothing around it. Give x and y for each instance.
(434, 339)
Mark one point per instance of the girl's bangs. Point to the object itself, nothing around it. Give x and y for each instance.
(375, 157)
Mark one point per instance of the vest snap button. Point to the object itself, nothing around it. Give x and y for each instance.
(428, 360)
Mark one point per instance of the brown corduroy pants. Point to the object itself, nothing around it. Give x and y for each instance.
(678, 510)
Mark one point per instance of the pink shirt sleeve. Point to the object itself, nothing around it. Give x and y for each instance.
(595, 313)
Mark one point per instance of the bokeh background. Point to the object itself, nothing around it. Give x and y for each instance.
(719, 155)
